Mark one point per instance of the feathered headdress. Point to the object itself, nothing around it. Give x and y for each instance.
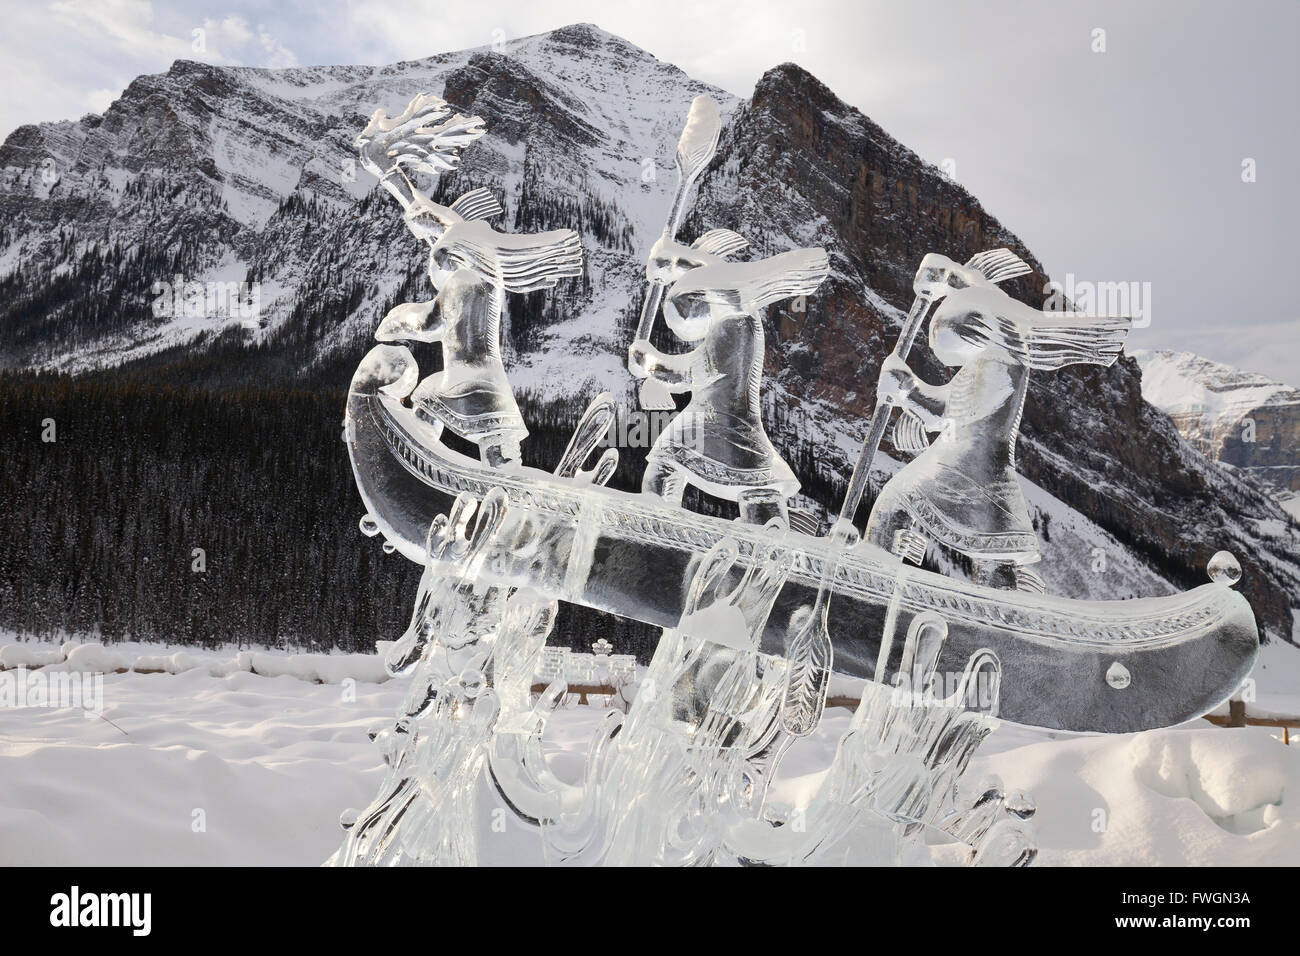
(429, 220)
(521, 263)
(1039, 340)
(744, 287)
(428, 135)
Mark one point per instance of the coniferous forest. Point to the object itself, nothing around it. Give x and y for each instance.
(137, 508)
(193, 517)
(145, 511)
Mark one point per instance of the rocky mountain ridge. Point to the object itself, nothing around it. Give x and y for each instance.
(1242, 419)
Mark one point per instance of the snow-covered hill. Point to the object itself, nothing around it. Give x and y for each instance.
(205, 168)
(1240, 418)
(218, 174)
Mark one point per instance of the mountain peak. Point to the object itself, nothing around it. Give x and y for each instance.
(1242, 418)
(584, 37)
(1207, 373)
(790, 74)
(583, 31)
(184, 67)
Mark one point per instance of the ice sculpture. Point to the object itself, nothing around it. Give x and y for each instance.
(471, 266)
(470, 651)
(683, 779)
(962, 491)
(718, 442)
(695, 148)
(758, 617)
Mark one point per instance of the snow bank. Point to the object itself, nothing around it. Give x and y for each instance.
(190, 770)
(248, 746)
(1240, 784)
(1192, 796)
(248, 769)
(96, 658)
(320, 668)
(93, 657)
(29, 655)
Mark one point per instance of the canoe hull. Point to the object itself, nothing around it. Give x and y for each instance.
(631, 555)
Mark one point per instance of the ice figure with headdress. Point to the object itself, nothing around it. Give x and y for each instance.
(471, 266)
(962, 491)
(718, 443)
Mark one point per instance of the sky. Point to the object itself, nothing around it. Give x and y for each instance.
(1145, 143)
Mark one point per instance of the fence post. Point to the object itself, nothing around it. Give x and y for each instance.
(1236, 712)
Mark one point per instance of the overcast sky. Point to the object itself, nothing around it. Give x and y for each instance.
(1116, 157)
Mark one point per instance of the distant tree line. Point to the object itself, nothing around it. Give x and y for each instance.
(101, 524)
(160, 512)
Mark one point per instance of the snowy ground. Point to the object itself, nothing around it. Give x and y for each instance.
(219, 765)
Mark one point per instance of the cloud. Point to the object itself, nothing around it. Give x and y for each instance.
(99, 100)
(277, 54)
(126, 24)
(233, 29)
(73, 56)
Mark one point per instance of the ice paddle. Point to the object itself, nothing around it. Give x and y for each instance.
(698, 142)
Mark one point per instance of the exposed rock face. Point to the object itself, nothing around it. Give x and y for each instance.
(1240, 418)
(223, 174)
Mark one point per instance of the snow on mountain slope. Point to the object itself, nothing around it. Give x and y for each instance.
(211, 173)
(1240, 418)
(1183, 383)
(235, 144)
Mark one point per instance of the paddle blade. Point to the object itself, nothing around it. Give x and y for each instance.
(593, 426)
(808, 659)
(655, 396)
(699, 138)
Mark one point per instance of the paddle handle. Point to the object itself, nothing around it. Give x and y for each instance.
(654, 297)
(655, 294)
(879, 422)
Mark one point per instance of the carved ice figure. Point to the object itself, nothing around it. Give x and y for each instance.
(897, 770)
(962, 490)
(470, 652)
(437, 746)
(693, 753)
(472, 266)
(682, 780)
(718, 443)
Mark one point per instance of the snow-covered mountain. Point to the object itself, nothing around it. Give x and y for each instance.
(219, 174)
(1240, 418)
